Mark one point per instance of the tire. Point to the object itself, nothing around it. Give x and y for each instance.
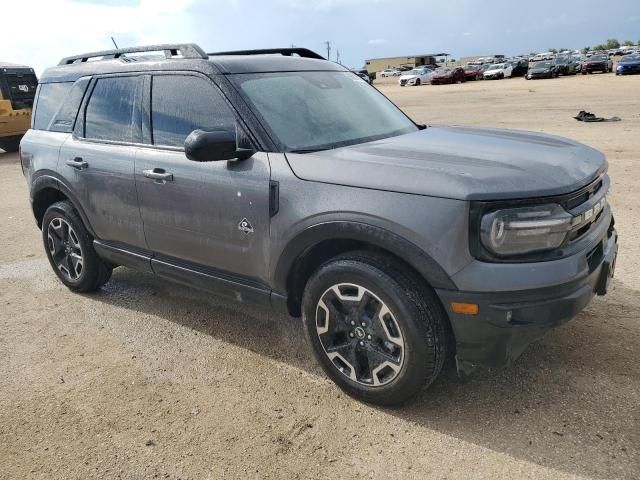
(69, 248)
(417, 84)
(412, 334)
(10, 144)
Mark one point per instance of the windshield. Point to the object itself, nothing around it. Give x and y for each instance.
(600, 57)
(631, 58)
(543, 65)
(309, 111)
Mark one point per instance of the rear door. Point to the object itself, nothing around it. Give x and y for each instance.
(98, 160)
(215, 214)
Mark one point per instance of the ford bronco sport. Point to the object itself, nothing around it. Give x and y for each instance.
(277, 177)
(17, 90)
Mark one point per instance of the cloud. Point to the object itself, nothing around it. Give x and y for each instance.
(65, 27)
(378, 41)
(467, 34)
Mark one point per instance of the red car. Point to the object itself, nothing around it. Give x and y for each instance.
(597, 63)
(473, 72)
(447, 75)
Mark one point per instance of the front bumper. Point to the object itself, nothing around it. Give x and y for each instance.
(507, 322)
(628, 70)
(594, 68)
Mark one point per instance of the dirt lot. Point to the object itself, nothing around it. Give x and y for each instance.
(146, 379)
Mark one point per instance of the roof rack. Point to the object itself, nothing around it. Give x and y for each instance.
(184, 50)
(287, 52)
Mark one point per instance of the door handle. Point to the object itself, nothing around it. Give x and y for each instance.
(158, 174)
(77, 163)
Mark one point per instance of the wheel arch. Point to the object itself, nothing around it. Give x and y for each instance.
(319, 243)
(47, 190)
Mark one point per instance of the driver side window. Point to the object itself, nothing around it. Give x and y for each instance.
(181, 104)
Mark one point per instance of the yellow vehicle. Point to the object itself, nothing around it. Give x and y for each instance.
(17, 90)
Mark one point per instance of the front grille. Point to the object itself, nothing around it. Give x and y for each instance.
(19, 86)
(583, 195)
(588, 206)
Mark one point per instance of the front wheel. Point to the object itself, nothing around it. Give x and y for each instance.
(417, 82)
(376, 330)
(69, 248)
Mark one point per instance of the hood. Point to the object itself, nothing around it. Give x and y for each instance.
(458, 162)
(407, 77)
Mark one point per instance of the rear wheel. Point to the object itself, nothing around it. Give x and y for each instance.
(69, 248)
(377, 331)
(10, 144)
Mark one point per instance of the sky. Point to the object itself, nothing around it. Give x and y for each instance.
(44, 31)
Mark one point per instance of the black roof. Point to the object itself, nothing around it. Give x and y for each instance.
(244, 61)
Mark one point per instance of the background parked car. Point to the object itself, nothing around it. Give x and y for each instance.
(363, 75)
(629, 64)
(597, 63)
(498, 71)
(520, 67)
(444, 75)
(390, 72)
(473, 71)
(415, 77)
(565, 65)
(546, 69)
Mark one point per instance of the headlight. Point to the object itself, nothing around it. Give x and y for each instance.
(517, 231)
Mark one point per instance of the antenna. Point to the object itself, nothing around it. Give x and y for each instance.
(328, 44)
(114, 42)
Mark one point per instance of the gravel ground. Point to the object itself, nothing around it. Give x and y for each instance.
(146, 379)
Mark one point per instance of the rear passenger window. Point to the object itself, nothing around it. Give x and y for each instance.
(65, 117)
(50, 98)
(181, 104)
(110, 112)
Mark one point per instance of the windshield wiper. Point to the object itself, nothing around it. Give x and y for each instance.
(308, 150)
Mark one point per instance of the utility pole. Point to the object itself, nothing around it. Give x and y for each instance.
(328, 44)
(338, 56)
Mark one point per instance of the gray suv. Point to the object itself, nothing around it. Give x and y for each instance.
(279, 178)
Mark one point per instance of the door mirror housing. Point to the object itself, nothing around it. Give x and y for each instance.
(201, 146)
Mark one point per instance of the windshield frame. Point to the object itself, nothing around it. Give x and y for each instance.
(283, 148)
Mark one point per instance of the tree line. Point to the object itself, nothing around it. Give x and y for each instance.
(610, 44)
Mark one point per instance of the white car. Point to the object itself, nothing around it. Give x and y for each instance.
(390, 72)
(497, 71)
(417, 76)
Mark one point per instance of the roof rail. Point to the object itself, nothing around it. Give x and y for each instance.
(186, 50)
(287, 52)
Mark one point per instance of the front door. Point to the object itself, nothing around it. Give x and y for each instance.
(208, 214)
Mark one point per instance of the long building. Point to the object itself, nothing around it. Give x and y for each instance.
(378, 64)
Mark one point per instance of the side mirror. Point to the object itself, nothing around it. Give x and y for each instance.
(201, 146)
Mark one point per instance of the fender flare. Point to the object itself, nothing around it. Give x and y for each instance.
(48, 180)
(431, 271)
